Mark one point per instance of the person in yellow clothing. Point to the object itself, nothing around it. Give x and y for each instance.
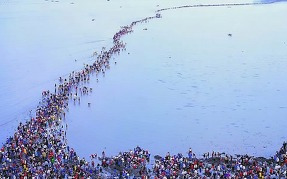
(261, 176)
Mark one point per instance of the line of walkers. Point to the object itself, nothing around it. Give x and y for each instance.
(38, 148)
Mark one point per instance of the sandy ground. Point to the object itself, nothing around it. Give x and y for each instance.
(185, 82)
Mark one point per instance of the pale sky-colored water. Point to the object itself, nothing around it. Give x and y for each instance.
(184, 84)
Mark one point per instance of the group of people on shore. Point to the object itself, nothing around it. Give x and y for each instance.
(220, 165)
(39, 149)
(127, 164)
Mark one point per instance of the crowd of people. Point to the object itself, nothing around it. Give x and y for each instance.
(127, 164)
(39, 149)
(39, 146)
(220, 165)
